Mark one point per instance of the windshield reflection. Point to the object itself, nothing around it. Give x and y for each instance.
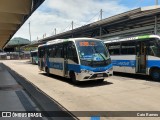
(92, 52)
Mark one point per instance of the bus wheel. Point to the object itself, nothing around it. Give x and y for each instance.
(155, 74)
(47, 72)
(100, 80)
(73, 78)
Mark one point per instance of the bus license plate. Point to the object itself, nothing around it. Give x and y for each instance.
(99, 75)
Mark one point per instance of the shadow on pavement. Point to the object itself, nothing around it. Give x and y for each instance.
(135, 76)
(81, 84)
(51, 108)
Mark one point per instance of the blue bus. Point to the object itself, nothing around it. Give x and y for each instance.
(34, 57)
(137, 55)
(80, 59)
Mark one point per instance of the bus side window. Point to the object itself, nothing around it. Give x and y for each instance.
(150, 51)
(46, 52)
(50, 52)
(114, 48)
(128, 48)
(31, 54)
(53, 51)
(59, 51)
(41, 54)
(72, 54)
(151, 48)
(107, 45)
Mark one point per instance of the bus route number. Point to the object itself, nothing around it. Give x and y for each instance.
(87, 43)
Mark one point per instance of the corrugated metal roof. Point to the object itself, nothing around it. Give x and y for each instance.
(126, 16)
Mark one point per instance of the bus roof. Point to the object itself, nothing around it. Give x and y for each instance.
(65, 40)
(131, 38)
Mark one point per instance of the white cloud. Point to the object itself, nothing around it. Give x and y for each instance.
(59, 14)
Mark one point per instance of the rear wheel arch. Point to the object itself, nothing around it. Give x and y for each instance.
(153, 68)
(154, 72)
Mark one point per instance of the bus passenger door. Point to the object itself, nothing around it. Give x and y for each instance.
(65, 60)
(40, 59)
(141, 57)
(41, 63)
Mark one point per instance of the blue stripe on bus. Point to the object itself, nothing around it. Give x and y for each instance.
(56, 65)
(77, 68)
(126, 63)
(153, 63)
(132, 63)
(97, 69)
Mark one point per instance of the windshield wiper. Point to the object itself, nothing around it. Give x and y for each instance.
(99, 53)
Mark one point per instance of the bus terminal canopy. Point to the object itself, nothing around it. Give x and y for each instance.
(13, 13)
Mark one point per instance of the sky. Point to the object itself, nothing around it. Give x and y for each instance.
(59, 14)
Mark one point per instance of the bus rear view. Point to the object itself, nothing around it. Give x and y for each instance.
(80, 59)
(34, 57)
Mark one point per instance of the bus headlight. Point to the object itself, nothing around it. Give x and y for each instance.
(82, 71)
(85, 71)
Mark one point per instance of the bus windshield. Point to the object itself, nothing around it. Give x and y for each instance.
(91, 52)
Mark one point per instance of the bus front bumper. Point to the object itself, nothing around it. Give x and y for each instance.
(84, 76)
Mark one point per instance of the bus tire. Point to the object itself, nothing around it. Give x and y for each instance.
(47, 71)
(155, 74)
(73, 77)
(100, 80)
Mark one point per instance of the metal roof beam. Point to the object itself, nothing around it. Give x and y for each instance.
(23, 6)
(5, 26)
(2, 40)
(11, 18)
(146, 28)
(147, 13)
(6, 32)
